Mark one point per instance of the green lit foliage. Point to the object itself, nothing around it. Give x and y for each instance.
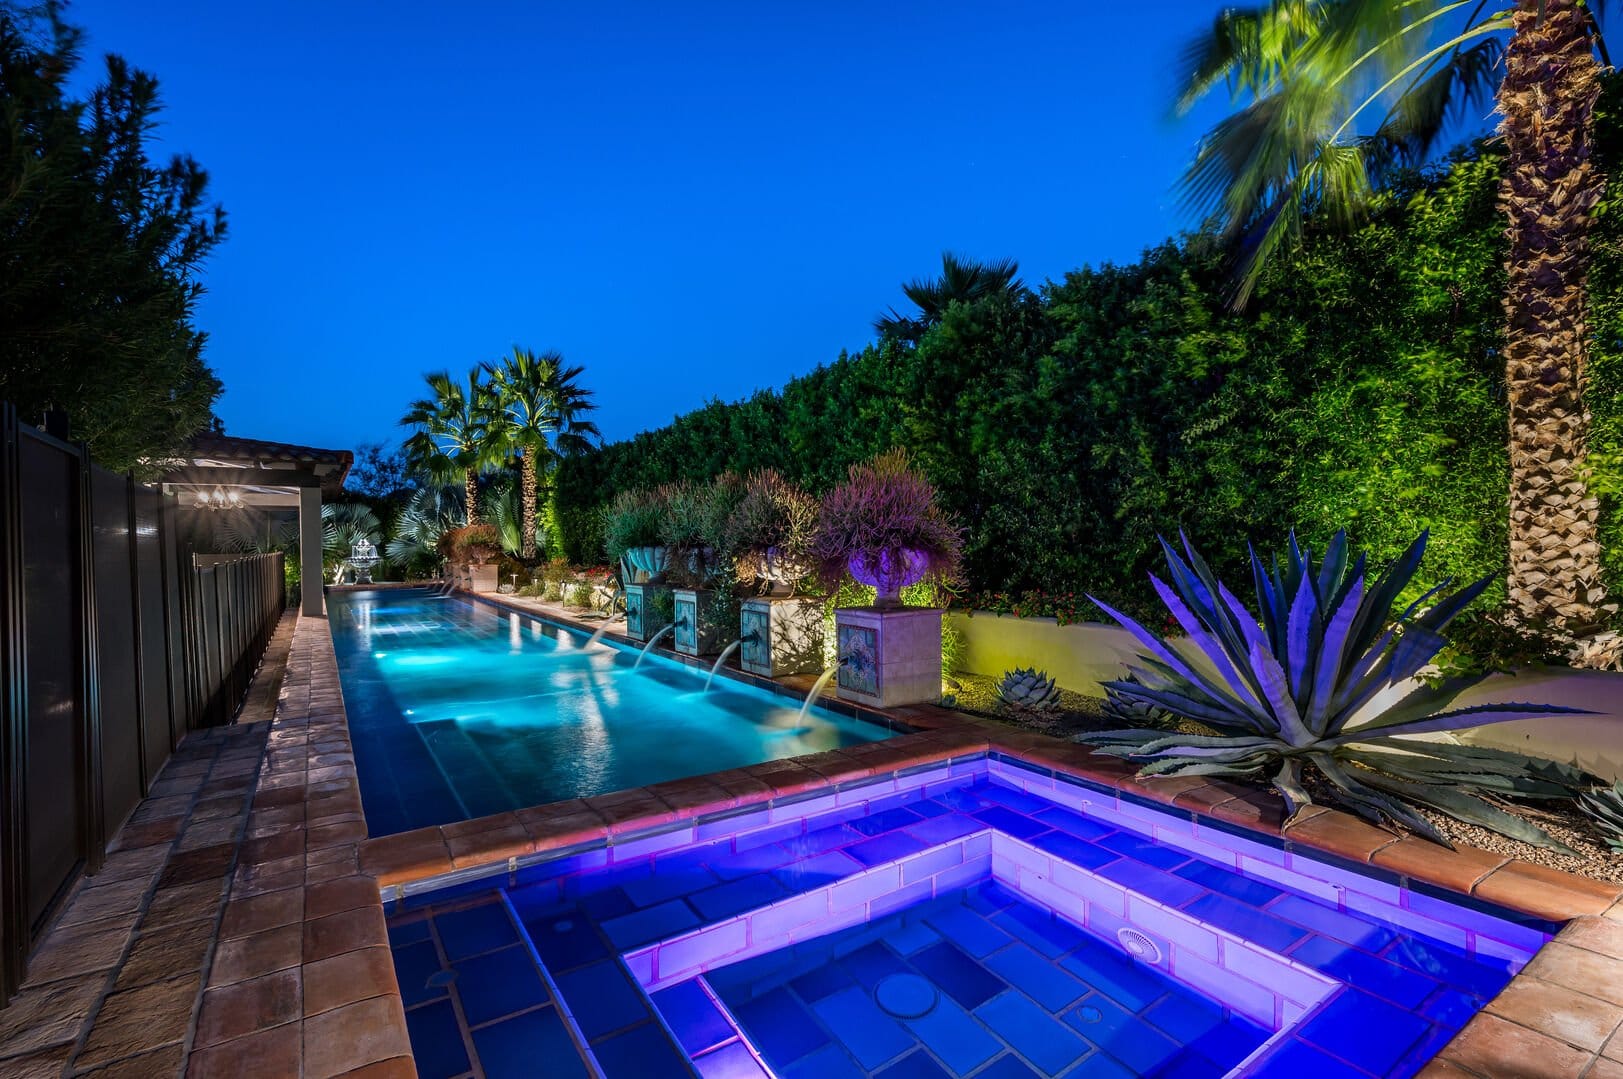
(1069, 427)
(1604, 807)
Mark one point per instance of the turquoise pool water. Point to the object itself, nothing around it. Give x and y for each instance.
(458, 709)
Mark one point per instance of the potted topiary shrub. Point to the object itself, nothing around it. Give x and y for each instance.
(770, 532)
(633, 524)
(884, 528)
(706, 609)
(471, 550)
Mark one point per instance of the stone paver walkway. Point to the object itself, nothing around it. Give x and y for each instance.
(115, 985)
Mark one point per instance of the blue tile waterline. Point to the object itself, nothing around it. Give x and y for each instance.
(458, 710)
(1031, 951)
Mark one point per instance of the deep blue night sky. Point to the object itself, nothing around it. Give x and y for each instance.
(693, 201)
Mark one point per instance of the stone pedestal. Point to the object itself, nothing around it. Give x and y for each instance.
(482, 578)
(702, 625)
(781, 636)
(649, 609)
(888, 656)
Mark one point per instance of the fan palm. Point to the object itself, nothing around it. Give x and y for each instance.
(962, 280)
(1333, 97)
(541, 403)
(454, 435)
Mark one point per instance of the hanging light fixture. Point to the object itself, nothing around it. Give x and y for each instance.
(219, 499)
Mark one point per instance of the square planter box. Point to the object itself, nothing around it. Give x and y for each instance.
(781, 636)
(888, 657)
(643, 618)
(698, 632)
(482, 578)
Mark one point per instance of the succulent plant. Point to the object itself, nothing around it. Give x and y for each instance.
(1290, 690)
(1029, 689)
(1604, 807)
(771, 528)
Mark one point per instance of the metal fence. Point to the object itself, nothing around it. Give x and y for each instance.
(115, 641)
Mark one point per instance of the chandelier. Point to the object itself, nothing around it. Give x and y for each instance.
(219, 499)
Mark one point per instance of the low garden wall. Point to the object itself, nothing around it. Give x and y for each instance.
(1081, 655)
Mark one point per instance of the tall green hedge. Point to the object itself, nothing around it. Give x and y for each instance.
(1362, 388)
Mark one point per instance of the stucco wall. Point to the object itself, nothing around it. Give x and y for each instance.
(1082, 655)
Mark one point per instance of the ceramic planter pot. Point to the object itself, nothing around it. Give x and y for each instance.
(648, 563)
(782, 571)
(891, 572)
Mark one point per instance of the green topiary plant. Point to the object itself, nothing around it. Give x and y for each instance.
(1287, 691)
(553, 592)
(633, 519)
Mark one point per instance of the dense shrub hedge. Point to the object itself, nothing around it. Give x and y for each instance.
(1068, 428)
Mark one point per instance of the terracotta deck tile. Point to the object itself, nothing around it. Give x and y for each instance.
(406, 856)
(278, 797)
(96, 901)
(277, 1051)
(1204, 798)
(135, 1020)
(836, 766)
(631, 810)
(97, 946)
(346, 864)
(192, 866)
(354, 1036)
(1573, 1017)
(787, 777)
(692, 795)
(1613, 1049)
(347, 978)
(1604, 1069)
(1492, 1046)
(241, 1008)
(166, 1060)
(338, 895)
(1165, 789)
(287, 842)
(45, 1064)
(1337, 833)
(183, 903)
(149, 833)
(241, 958)
(1577, 968)
(497, 840)
(744, 788)
(336, 934)
(261, 912)
(48, 1015)
(1601, 935)
(1421, 859)
(393, 1068)
(1548, 893)
(127, 864)
(167, 952)
(336, 834)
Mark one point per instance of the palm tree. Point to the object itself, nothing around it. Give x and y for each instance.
(963, 280)
(1333, 97)
(541, 404)
(454, 437)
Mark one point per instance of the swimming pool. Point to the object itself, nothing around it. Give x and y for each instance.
(458, 710)
(981, 918)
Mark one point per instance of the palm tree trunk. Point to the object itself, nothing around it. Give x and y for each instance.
(470, 495)
(527, 537)
(1550, 187)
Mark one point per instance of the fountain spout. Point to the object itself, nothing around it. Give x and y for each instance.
(817, 690)
(651, 641)
(725, 652)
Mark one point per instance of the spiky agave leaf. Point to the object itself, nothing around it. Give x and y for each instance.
(1604, 807)
(1291, 683)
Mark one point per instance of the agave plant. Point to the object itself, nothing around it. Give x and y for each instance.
(1295, 687)
(1604, 807)
(1030, 689)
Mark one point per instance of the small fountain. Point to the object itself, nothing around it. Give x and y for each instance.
(725, 652)
(362, 557)
(817, 689)
(651, 641)
(598, 636)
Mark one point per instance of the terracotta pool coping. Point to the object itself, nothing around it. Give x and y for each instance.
(1560, 1016)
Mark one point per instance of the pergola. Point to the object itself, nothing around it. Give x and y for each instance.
(222, 472)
